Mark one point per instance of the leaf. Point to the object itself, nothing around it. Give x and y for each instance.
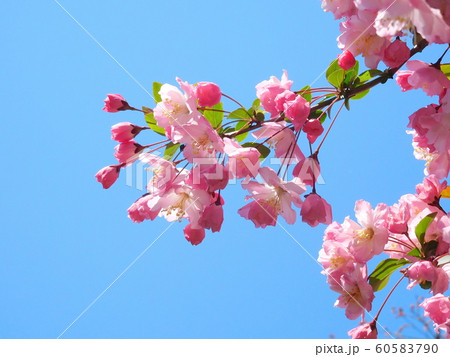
(380, 276)
(446, 193)
(316, 114)
(351, 74)
(156, 87)
(239, 126)
(170, 151)
(347, 104)
(445, 68)
(415, 253)
(213, 116)
(422, 227)
(368, 75)
(151, 121)
(361, 95)
(305, 93)
(256, 104)
(263, 150)
(335, 74)
(240, 113)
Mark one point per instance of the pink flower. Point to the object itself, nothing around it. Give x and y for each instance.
(194, 235)
(215, 175)
(267, 91)
(164, 173)
(341, 8)
(431, 80)
(315, 210)
(346, 60)
(125, 131)
(242, 162)
(115, 103)
(282, 138)
(423, 271)
(208, 94)
(297, 111)
(126, 153)
(437, 308)
(396, 54)
(402, 80)
(212, 217)
(272, 198)
(430, 190)
(356, 294)
(399, 215)
(307, 170)
(369, 239)
(336, 260)
(313, 129)
(365, 331)
(146, 207)
(108, 175)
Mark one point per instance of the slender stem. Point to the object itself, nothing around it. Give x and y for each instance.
(213, 110)
(389, 295)
(331, 125)
(234, 100)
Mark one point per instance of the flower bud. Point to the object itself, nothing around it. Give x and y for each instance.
(208, 94)
(346, 60)
(108, 175)
(315, 210)
(115, 103)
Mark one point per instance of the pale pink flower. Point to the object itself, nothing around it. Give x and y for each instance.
(267, 91)
(336, 259)
(194, 235)
(242, 161)
(307, 170)
(365, 331)
(272, 198)
(208, 94)
(164, 172)
(356, 294)
(430, 190)
(341, 8)
(437, 308)
(431, 80)
(334, 233)
(146, 207)
(297, 111)
(315, 210)
(215, 175)
(126, 152)
(125, 131)
(396, 54)
(108, 175)
(370, 238)
(346, 60)
(313, 129)
(282, 138)
(115, 103)
(423, 271)
(398, 217)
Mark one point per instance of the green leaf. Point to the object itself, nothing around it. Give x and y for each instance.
(347, 104)
(361, 95)
(316, 114)
(426, 285)
(263, 150)
(170, 151)
(351, 74)
(305, 93)
(368, 75)
(415, 253)
(156, 87)
(214, 117)
(240, 113)
(422, 227)
(260, 115)
(151, 121)
(239, 126)
(380, 276)
(445, 68)
(335, 74)
(256, 104)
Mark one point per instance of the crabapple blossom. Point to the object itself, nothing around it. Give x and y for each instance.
(115, 103)
(267, 92)
(313, 129)
(346, 60)
(297, 110)
(108, 175)
(242, 161)
(126, 152)
(307, 170)
(396, 54)
(125, 131)
(208, 94)
(437, 308)
(315, 210)
(364, 331)
(194, 235)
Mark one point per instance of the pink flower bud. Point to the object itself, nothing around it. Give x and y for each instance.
(297, 111)
(366, 331)
(396, 54)
(108, 175)
(208, 94)
(315, 210)
(307, 170)
(313, 129)
(194, 236)
(212, 217)
(346, 60)
(115, 103)
(125, 131)
(126, 152)
(402, 80)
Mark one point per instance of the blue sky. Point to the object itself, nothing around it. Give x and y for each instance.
(64, 239)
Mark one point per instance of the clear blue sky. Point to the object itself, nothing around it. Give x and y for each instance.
(64, 239)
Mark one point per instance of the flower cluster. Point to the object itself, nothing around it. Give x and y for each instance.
(374, 28)
(210, 153)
